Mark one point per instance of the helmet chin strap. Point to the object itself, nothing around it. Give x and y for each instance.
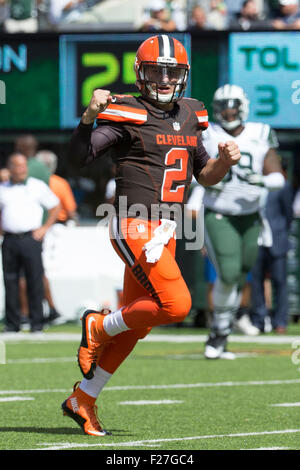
(229, 126)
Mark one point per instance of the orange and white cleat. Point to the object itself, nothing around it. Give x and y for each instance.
(83, 410)
(92, 339)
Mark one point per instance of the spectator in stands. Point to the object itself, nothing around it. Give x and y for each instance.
(211, 16)
(159, 18)
(22, 200)
(66, 11)
(178, 12)
(289, 15)
(233, 7)
(198, 19)
(22, 17)
(248, 18)
(3, 13)
(217, 15)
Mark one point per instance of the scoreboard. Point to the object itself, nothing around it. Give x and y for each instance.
(46, 80)
(267, 67)
(29, 92)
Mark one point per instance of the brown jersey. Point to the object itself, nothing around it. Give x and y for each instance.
(163, 150)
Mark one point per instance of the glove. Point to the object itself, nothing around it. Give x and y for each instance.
(249, 176)
(219, 186)
(255, 178)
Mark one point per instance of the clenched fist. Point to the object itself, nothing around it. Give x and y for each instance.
(229, 153)
(99, 102)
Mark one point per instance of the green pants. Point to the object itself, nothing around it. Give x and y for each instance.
(231, 242)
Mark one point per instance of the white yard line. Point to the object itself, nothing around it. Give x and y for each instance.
(36, 391)
(53, 360)
(151, 338)
(269, 448)
(161, 387)
(201, 356)
(263, 339)
(287, 404)
(203, 385)
(72, 445)
(5, 399)
(41, 360)
(150, 402)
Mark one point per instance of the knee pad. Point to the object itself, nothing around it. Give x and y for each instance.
(225, 296)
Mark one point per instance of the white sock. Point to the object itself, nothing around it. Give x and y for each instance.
(94, 386)
(114, 324)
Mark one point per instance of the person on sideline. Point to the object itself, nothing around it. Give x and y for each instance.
(22, 201)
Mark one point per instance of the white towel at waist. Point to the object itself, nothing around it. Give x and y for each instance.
(161, 237)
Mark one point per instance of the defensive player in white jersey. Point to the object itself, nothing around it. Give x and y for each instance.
(232, 207)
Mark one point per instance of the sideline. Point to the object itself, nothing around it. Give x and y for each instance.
(156, 442)
(160, 387)
(151, 338)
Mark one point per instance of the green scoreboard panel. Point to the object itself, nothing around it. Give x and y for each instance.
(29, 92)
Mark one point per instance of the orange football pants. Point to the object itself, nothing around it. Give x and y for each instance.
(153, 294)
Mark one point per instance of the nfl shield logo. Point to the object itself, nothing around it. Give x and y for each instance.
(176, 126)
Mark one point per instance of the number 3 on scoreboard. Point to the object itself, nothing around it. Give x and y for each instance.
(169, 191)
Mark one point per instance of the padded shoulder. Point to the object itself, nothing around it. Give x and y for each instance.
(124, 109)
(264, 132)
(200, 111)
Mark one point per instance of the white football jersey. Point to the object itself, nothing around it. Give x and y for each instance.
(234, 195)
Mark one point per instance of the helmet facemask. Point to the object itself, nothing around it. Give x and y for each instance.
(153, 76)
(230, 97)
(220, 105)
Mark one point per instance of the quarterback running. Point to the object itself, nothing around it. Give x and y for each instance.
(156, 141)
(234, 207)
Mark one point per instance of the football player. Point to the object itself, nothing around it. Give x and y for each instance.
(233, 206)
(156, 142)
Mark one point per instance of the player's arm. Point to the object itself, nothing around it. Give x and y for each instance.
(272, 177)
(99, 102)
(39, 233)
(87, 143)
(216, 168)
(272, 162)
(272, 174)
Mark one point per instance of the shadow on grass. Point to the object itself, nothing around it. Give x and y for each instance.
(65, 431)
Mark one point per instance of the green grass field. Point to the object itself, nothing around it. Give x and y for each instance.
(166, 396)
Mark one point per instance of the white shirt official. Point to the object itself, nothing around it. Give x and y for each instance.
(22, 204)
